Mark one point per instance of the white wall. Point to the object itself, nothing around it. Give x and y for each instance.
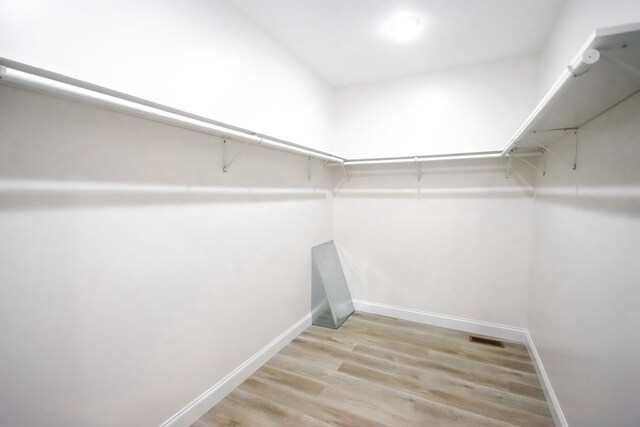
(474, 108)
(124, 296)
(583, 308)
(455, 243)
(135, 274)
(201, 56)
(576, 21)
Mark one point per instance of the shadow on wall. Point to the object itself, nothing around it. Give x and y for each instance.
(434, 194)
(475, 179)
(56, 153)
(19, 200)
(622, 203)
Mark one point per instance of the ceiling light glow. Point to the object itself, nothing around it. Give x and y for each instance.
(404, 27)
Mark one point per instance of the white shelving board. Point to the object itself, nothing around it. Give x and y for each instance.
(588, 91)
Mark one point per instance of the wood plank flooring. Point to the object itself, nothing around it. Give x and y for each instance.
(379, 371)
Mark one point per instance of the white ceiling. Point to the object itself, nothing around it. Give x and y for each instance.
(344, 41)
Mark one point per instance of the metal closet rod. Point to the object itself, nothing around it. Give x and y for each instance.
(50, 82)
(437, 157)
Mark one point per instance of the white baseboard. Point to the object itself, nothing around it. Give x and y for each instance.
(472, 326)
(549, 394)
(215, 394)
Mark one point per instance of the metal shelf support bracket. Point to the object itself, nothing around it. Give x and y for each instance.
(542, 171)
(226, 161)
(575, 151)
(559, 156)
(224, 156)
(345, 172)
(626, 67)
(419, 169)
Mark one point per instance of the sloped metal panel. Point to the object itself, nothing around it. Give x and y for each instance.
(331, 301)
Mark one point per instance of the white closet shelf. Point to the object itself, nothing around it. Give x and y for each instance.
(605, 72)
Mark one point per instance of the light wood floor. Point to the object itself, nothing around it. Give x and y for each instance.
(379, 371)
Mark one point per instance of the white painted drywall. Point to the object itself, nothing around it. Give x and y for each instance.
(475, 108)
(583, 307)
(135, 274)
(575, 23)
(201, 56)
(455, 243)
(349, 42)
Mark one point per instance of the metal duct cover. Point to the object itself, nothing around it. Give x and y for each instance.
(330, 298)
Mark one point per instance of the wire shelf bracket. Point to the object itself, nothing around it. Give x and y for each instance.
(345, 172)
(545, 148)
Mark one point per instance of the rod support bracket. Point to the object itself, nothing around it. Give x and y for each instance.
(631, 69)
(522, 159)
(546, 149)
(345, 172)
(224, 155)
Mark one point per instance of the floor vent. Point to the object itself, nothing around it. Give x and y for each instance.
(487, 341)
